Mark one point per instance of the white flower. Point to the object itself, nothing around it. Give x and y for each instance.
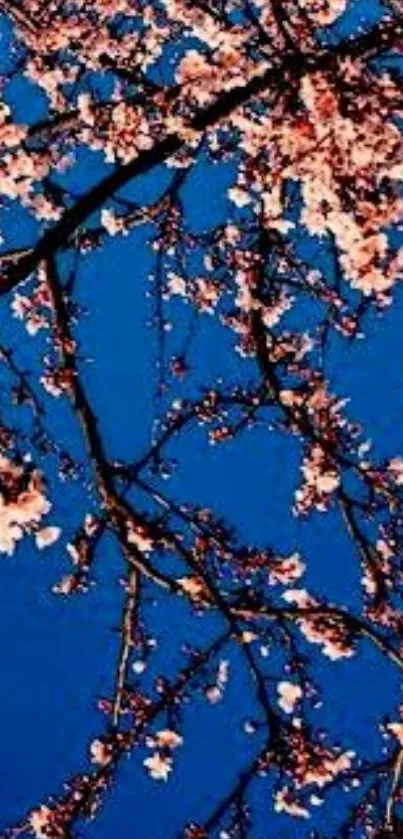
(213, 694)
(101, 752)
(289, 695)
(287, 570)
(176, 285)
(193, 587)
(395, 467)
(397, 729)
(284, 803)
(137, 536)
(248, 637)
(168, 739)
(23, 512)
(46, 537)
(66, 586)
(39, 822)
(299, 596)
(223, 671)
(239, 196)
(112, 223)
(158, 767)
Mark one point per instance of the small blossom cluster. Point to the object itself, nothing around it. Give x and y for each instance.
(323, 12)
(328, 631)
(215, 692)
(79, 550)
(159, 764)
(286, 570)
(310, 764)
(33, 310)
(321, 480)
(288, 696)
(53, 822)
(22, 505)
(314, 764)
(195, 589)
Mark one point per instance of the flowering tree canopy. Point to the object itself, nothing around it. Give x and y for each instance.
(201, 491)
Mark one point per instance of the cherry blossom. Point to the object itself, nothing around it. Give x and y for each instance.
(158, 767)
(289, 695)
(22, 503)
(250, 155)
